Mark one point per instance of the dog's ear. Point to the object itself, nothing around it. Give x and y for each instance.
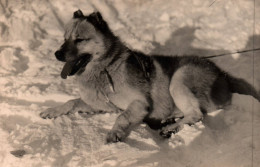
(78, 14)
(99, 23)
(96, 19)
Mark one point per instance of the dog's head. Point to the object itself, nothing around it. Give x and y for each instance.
(84, 42)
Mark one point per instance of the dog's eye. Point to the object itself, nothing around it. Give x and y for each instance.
(81, 40)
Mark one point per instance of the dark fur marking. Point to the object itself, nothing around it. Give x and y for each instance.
(153, 123)
(168, 64)
(220, 91)
(143, 63)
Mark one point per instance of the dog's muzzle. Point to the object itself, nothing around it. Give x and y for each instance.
(60, 55)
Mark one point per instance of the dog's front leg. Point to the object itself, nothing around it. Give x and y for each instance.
(69, 107)
(126, 121)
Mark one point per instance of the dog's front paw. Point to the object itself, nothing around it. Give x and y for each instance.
(115, 136)
(50, 113)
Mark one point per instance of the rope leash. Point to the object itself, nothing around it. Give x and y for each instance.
(224, 54)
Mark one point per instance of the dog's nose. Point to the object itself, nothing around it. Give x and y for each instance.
(60, 56)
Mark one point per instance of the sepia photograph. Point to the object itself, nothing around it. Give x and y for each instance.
(130, 83)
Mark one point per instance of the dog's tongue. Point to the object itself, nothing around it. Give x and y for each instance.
(67, 68)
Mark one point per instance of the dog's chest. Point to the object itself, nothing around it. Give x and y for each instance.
(124, 95)
(99, 91)
(92, 89)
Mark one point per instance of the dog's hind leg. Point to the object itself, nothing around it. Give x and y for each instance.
(69, 107)
(133, 116)
(186, 102)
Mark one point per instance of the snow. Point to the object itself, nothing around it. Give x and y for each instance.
(30, 82)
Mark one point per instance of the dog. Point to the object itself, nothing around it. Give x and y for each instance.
(152, 89)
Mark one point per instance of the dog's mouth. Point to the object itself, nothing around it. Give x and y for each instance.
(72, 67)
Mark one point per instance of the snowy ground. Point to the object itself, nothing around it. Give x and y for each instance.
(31, 30)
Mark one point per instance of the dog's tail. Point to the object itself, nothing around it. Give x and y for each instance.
(240, 86)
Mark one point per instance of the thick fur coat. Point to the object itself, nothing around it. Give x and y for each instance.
(146, 88)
